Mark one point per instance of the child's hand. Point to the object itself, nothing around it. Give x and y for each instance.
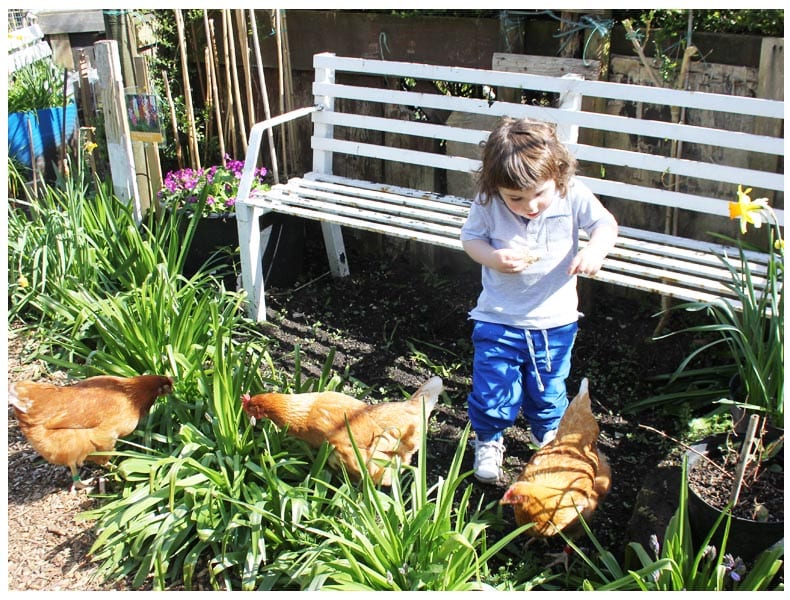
(510, 260)
(587, 262)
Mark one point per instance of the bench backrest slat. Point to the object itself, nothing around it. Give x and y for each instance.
(414, 157)
(600, 89)
(614, 123)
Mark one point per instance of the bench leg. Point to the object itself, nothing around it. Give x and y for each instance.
(248, 223)
(335, 249)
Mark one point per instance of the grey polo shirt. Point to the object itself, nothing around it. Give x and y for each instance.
(544, 295)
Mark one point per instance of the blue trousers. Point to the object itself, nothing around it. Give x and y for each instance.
(517, 369)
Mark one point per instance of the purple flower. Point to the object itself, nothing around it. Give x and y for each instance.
(734, 567)
(218, 184)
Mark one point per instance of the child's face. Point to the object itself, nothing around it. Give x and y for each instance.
(532, 202)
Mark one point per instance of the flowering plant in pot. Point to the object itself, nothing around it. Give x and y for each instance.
(752, 335)
(210, 194)
(215, 187)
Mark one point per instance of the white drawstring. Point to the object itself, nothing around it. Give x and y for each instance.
(548, 354)
(531, 347)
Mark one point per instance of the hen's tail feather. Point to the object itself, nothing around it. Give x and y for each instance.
(429, 391)
(578, 416)
(14, 400)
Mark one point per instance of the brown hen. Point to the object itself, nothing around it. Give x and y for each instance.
(566, 477)
(381, 431)
(67, 424)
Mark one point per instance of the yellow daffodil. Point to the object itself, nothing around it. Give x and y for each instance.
(90, 146)
(22, 282)
(748, 210)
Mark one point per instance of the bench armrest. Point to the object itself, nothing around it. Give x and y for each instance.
(254, 145)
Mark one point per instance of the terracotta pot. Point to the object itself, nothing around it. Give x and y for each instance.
(747, 538)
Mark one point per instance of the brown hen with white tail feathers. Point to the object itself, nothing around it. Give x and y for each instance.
(66, 425)
(382, 431)
(565, 478)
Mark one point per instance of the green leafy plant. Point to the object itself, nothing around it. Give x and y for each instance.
(676, 564)
(410, 537)
(706, 568)
(203, 490)
(752, 332)
(35, 86)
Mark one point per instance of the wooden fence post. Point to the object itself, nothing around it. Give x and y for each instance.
(119, 141)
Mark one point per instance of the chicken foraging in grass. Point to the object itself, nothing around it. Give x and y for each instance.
(380, 431)
(567, 477)
(67, 424)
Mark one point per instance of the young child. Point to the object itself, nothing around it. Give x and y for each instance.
(523, 230)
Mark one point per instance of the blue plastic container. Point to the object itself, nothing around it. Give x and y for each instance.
(46, 126)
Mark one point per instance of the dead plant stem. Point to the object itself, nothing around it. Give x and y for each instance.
(687, 447)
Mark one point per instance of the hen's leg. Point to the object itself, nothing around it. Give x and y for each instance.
(76, 480)
(560, 558)
(78, 484)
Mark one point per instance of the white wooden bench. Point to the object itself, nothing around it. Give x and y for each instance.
(671, 265)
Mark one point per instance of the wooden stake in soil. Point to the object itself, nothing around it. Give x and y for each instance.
(62, 150)
(265, 93)
(743, 458)
(173, 121)
(228, 85)
(191, 131)
(245, 62)
(281, 68)
(33, 169)
(214, 69)
(208, 101)
(237, 90)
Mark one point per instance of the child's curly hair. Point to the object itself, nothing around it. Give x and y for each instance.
(521, 154)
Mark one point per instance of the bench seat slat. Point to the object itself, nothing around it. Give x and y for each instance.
(645, 285)
(693, 258)
(463, 203)
(391, 227)
(328, 211)
(664, 273)
(675, 279)
(668, 262)
(425, 202)
(285, 203)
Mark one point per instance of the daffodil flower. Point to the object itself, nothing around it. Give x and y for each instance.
(748, 210)
(22, 282)
(89, 146)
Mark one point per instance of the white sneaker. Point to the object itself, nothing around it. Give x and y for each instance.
(547, 437)
(488, 460)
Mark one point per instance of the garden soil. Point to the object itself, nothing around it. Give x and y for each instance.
(390, 325)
